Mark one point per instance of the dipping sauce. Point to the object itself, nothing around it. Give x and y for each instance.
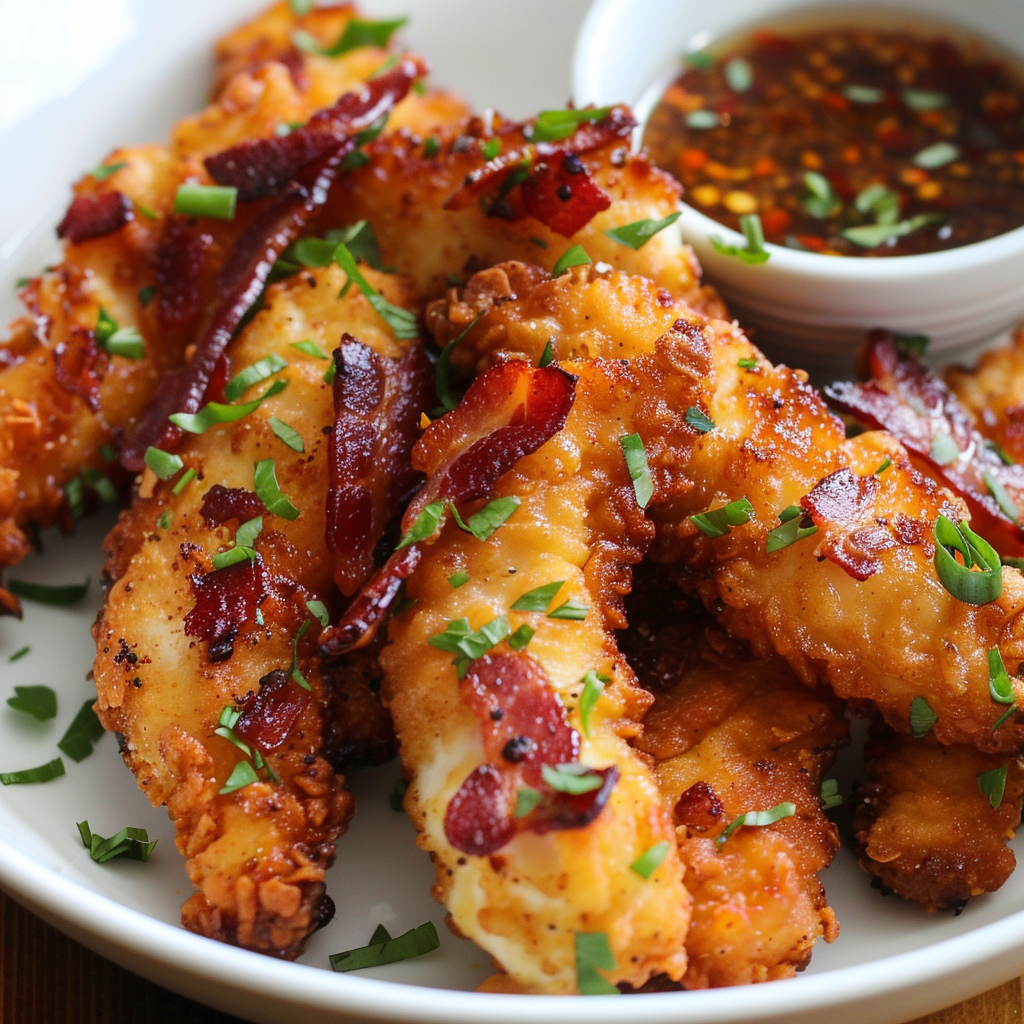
(849, 141)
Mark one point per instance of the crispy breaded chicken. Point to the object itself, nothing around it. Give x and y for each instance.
(525, 883)
(924, 827)
(730, 733)
(180, 640)
(857, 603)
(62, 397)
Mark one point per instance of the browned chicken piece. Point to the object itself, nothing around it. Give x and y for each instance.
(993, 392)
(924, 826)
(730, 733)
(208, 671)
(856, 601)
(64, 391)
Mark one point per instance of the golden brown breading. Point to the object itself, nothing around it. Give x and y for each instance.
(730, 733)
(925, 829)
(177, 643)
(859, 604)
(577, 522)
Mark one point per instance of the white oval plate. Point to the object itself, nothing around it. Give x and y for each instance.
(76, 79)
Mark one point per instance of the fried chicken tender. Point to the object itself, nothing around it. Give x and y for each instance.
(523, 887)
(178, 640)
(857, 604)
(62, 397)
(923, 826)
(730, 733)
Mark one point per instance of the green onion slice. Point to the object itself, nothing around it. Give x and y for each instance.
(769, 817)
(319, 612)
(1006, 504)
(402, 323)
(38, 701)
(573, 778)
(639, 472)
(819, 199)
(242, 775)
(186, 478)
(412, 943)
(922, 100)
(214, 413)
(164, 464)
(830, 795)
(310, 348)
(294, 671)
(1000, 688)
(118, 341)
(593, 954)
(521, 637)
(217, 201)
(442, 371)
(937, 155)
(458, 579)
(593, 687)
(754, 251)
(104, 171)
(19, 654)
(571, 610)
(527, 799)
(974, 588)
(356, 33)
(883, 466)
(265, 478)
(252, 375)
(44, 773)
(914, 344)
(650, 860)
(552, 125)
(482, 524)
(718, 522)
(944, 449)
(41, 593)
(82, 734)
(993, 784)
(922, 717)
(739, 75)
(574, 256)
(424, 525)
(796, 525)
(287, 434)
(128, 844)
(640, 232)
(547, 355)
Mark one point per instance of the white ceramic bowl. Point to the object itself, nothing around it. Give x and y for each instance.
(629, 50)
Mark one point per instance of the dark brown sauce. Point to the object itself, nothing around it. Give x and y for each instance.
(796, 128)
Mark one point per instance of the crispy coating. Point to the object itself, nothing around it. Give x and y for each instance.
(923, 826)
(61, 399)
(579, 522)
(731, 733)
(257, 855)
(858, 605)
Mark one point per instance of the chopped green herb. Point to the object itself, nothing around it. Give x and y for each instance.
(461, 640)
(912, 344)
(830, 795)
(38, 701)
(319, 612)
(718, 522)
(300, 8)
(146, 295)
(82, 734)
(491, 148)
(482, 524)
(431, 146)
(538, 599)
(242, 775)
(521, 637)
(287, 434)
(19, 654)
(128, 844)
(883, 466)
(547, 355)
(974, 588)
(878, 202)
(739, 75)
(1000, 452)
(294, 671)
(330, 372)
(402, 323)
(1000, 688)
(539, 242)
(164, 464)
(574, 256)
(552, 125)
(796, 525)
(252, 375)
(165, 520)
(944, 449)
(118, 341)
(640, 232)
(245, 538)
(361, 241)
(1006, 504)
(570, 610)
(819, 199)
(104, 171)
(355, 34)
(22, 282)
(423, 525)
(442, 371)
(527, 799)
(214, 413)
(754, 251)
(356, 159)
(593, 687)
(699, 420)
(74, 496)
(636, 464)
(186, 478)
(41, 593)
(100, 484)
(747, 364)
(870, 236)
(310, 348)
(593, 953)
(265, 479)
(922, 100)
(702, 119)
(937, 155)
(412, 943)
(922, 717)
(44, 773)
(109, 453)
(699, 60)
(458, 579)
(863, 93)
(650, 860)
(148, 212)
(573, 778)
(217, 201)
(993, 784)
(310, 252)
(759, 818)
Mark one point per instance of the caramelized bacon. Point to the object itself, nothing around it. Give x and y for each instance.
(377, 405)
(79, 366)
(508, 412)
(562, 195)
(525, 728)
(262, 167)
(918, 408)
(225, 600)
(268, 715)
(91, 216)
(179, 270)
(222, 503)
(699, 808)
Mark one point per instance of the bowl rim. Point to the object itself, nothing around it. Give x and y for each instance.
(855, 269)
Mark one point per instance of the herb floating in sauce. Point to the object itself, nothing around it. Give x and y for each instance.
(847, 140)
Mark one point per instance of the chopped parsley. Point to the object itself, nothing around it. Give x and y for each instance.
(245, 538)
(699, 420)
(593, 954)
(265, 482)
(521, 637)
(310, 348)
(640, 232)
(458, 579)
(574, 256)
(104, 171)
(38, 701)
(164, 464)
(242, 775)
(319, 612)
(19, 654)
(442, 370)
(830, 795)
(885, 464)
(466, 644)
(527, 799)
(571, 610)
(538, 599)
(547, 355)
(482, 524)
(294, 671)
(214, 413)
(424, 525)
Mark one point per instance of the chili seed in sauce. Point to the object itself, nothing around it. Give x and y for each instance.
(849, 141)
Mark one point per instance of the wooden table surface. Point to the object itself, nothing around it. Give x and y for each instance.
(49, 979)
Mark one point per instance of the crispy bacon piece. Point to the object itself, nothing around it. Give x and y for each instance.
(263, 167)
(179, 271)
(562, 195)
(91, 216)
(508, 412)
(268, 715)
(222, 503)
(79, 366)
(377, 405)
(225, 600)
(918, 408)
(699, 808)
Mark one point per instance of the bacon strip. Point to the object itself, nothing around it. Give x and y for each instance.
(562, 195)
(508, 412)
(917, 408)
(262, 167)
(179, 271)
(92, 216)
(377, 405)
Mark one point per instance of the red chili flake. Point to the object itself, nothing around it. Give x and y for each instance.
(226, 599)
(268, 715)
(91, 216)
(221, 504)
(699, 808)
(79, 366)
(179, 271)
(564, 196)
